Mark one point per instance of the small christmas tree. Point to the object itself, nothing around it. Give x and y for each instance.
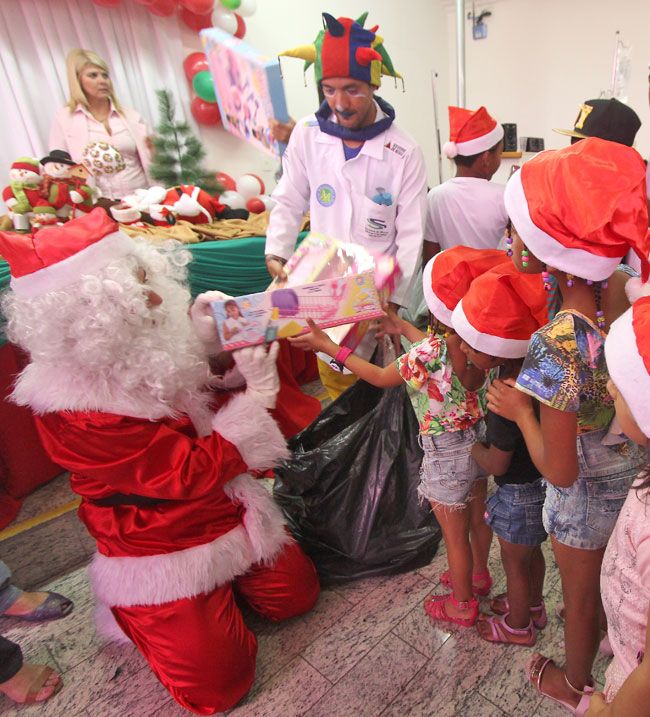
(178, 153)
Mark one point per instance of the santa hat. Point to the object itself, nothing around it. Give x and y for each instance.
(27, 163)
(627, 351)
(581, 208)
(448, 275)
(501, 311)
(344, 48)
(471, 132)
(52, 258)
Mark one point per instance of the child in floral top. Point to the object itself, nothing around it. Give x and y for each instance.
(449, 407)
(575, 213)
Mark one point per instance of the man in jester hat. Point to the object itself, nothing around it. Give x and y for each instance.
(362, 179)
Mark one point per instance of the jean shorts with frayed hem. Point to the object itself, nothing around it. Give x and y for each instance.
(448, 470)
(584, 514)
(514, 512)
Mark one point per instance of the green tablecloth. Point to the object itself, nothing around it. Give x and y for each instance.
(234, 266)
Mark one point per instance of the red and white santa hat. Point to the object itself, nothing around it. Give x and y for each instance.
(28, 164)
(471, 132)
(448, 275)
(581, 208)
(55, 257)
(501, 311)
(627, 352)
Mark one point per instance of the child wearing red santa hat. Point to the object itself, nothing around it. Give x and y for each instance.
(450, 407)
(116, 378)
(625, 575)
(468, 209)
(575, 213)
(495, 320)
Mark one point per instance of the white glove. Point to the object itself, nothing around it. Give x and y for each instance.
(203, 320)
(260, 371)
(76, 197)
(11, 202)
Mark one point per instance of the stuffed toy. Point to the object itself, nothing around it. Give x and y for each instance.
(61, 189)
(23, 192)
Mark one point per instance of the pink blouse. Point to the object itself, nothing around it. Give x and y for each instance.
(625, 588)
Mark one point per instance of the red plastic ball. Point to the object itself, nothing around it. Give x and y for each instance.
(226, 181)
(255, 205)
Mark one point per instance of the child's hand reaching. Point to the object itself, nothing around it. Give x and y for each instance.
(507, 401)
(315, 340)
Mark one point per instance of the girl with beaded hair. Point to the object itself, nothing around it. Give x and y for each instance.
(574, 214)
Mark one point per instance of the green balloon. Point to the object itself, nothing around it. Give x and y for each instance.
(231, 4)
(203, 85)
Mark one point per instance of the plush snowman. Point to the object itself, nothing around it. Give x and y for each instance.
(60, 189)
(23, 192)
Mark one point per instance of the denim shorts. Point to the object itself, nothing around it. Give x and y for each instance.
(514, 512)
(448, 470)
(583, 515)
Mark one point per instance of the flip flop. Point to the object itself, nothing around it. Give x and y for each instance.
(481, 582)
(54, 607)
(436, 609)
(538, 663)
(500, 631)
(36, 686)
(500, 606)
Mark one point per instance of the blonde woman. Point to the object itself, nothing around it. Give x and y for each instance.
(94, 114)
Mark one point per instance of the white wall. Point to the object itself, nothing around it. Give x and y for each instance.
(542, 58)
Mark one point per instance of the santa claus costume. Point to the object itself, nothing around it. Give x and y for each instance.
(115, 379)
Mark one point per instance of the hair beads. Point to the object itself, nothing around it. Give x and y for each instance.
(525, 257)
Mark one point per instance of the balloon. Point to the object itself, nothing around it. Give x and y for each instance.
(231, 4)
(225, 19)
(203, 85)
(194, 21)
(162, 8)
(269, 202)
(234, 200)
(247, 8)
(107, 3)
(226, 181)
(198, 7)
(250, 185)
(255, 205)
(205, 112)
(241, 27)
(193, 63)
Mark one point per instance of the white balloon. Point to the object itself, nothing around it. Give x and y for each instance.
(234, 200)
(224, 19)
(247, 8)
(249, 186)
(269, 202)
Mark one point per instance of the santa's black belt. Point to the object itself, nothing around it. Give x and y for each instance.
(110, 501)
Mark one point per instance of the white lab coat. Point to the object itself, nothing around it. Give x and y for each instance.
(338, 194)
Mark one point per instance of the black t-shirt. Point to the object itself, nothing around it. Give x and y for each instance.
(506, 436)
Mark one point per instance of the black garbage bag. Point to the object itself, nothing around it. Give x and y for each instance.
(349, 492)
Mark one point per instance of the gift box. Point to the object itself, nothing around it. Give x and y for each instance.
(249, 88)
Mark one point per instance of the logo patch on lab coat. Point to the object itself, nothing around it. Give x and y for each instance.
(325, 195)
(376, 227)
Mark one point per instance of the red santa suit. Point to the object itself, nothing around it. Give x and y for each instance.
(180, 524)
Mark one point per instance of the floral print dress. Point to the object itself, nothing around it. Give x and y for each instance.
(440, 401)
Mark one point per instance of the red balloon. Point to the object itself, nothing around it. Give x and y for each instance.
(198, 7)
(240, 32)
(107, 3)
(226, 181)
(205, 112)
(196, 22)
(193, 63)
(255, 205)
(162, 8)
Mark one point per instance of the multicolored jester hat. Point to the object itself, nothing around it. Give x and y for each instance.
(344, 48)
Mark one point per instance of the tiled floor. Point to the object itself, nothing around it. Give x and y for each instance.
(366, 649)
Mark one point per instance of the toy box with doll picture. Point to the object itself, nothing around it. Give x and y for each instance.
(334, 284)
(248, 87)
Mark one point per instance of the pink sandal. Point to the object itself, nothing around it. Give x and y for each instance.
(500, 631)
(435, 607)
(538, 663)
(500, 606)
(481, 582)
